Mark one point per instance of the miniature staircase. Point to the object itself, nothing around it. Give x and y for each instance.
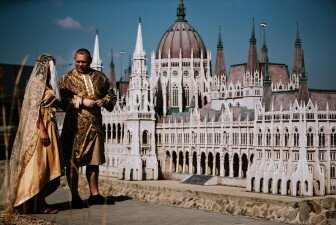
(197, 179)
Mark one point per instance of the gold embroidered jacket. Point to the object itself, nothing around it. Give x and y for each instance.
(82, 129)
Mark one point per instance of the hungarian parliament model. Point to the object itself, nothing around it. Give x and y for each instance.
(258, 126)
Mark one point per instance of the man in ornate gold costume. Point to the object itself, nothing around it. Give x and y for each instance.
(84, 92)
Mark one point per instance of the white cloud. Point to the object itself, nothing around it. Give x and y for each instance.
(68, 23)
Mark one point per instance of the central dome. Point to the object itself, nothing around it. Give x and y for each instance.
(181, 35)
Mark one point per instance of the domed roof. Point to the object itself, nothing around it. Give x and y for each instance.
(181, 35)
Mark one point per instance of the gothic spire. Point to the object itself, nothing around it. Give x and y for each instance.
(220, 42)
(111, 63)
(264, 50)
(112, 72)
(303, 84)
(252, 38)
(220, 70)
(139, 50)
(303, 77)
(297, 61)
(267, 92)
(96, 60)
(180, 12)
(253, 62)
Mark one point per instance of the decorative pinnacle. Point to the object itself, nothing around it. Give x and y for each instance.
(180, 12)
(303, 77)
(298, 39)
(220, 42)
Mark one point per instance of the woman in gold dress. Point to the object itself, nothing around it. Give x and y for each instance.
(36, 161)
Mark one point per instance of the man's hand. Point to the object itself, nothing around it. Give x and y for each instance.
(89, 103)
(100, 102)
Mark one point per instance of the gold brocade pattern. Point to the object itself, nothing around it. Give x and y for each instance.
(45, 163)
(82, 133)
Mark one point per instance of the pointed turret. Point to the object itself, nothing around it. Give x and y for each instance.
(267, 90)
(253, 63)
(220, 70)
(141, 156)
(96, 60)
(180, 12)
(139, 50)
(112, 73)
(138, 78)
(297, 62)
(303, 84)
(264, 50)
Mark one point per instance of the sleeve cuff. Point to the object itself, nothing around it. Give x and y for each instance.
(77, 102)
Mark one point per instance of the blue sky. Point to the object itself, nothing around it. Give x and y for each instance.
(59, 27)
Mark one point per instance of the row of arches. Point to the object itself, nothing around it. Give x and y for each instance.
(214, 164)
(115, 134)
(283, 138)
(283, 187)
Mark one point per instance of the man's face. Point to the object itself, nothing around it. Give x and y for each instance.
(82, 62)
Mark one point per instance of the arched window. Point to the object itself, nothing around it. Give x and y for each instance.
(286, 137)
(145, 137)
(109, 133)
(333, 138)
(129, 136)
(296, 137)
(277, 138)
(268, 137)
(321, 138)
(114, 131)
(310, 138)
(259, 138)
(175, 96)
(332, 172)
(186, 94)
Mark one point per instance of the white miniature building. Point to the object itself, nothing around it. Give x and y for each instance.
(258, 127)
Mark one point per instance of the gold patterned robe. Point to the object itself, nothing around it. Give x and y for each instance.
(45, 163)
(82, 134)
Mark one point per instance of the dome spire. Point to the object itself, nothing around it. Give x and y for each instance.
(180, 12)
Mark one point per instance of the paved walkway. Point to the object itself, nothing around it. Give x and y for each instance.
(128, 211)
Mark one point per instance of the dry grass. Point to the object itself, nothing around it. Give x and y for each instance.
(14, 218)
